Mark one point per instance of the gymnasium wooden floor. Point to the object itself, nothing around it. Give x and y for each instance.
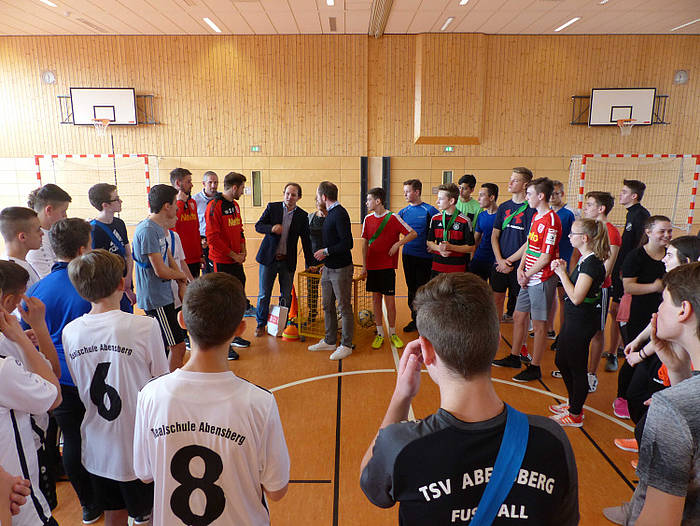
(331, 410)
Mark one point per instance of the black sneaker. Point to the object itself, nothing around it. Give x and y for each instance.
(611, 365)
(531, 372)
(232, 354)
(91, 514)
(411, 327)
(620, 352)
(509, 361)
(240, 342)
(551, 335)
(142, 519)
(555, 344)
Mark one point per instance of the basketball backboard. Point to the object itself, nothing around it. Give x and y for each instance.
(118, 105)
(610, 105)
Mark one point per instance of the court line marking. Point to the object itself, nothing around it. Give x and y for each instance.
(497, 380)
(395, 354)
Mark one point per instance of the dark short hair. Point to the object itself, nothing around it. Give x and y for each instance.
(491, 188)
(604, 199)
(543, 185)
(329, 190)
(96, 274)
(100, 193)
(67, 236)
(683, 284)
(451, 189)
(14, 277)
(232, 179)
(160, 195)
(688, 248)
(378, 193)
(49, 194)
(469, 179)
(13, 220)
(297, 185)
(178, 174)
(637, 187)
(415, 184)
(213, 308)
(468, 343)
(525, 172)
(652, 220)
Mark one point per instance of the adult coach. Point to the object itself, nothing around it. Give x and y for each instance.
(336, 279)
(416, 463)
(227, 249)
(283, 223)
(187, 225)
(210, 182)
(417, 261)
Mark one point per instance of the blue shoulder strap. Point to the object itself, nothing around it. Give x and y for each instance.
(147, 264)
(120, 246)
(505, 470)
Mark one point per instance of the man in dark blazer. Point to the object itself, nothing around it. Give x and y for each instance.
(283, 223)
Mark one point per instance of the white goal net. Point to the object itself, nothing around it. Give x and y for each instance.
(671, 182)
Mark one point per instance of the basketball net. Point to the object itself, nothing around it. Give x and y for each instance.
(625, 126)
(101, 126)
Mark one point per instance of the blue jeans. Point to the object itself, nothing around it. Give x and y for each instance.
(267, 275)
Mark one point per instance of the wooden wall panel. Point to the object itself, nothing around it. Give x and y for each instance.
(345, 95)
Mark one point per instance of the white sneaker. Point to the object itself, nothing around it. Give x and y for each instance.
(322, 346)
(592, 383)
(341, 352)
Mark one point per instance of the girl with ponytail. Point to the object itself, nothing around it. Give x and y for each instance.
(582, 310)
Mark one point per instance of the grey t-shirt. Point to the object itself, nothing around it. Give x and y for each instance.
(151, 291)
(669, 455)
(437, 469)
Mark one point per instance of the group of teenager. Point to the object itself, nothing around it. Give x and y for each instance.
(137, 443)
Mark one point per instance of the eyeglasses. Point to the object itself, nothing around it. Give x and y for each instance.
(576, 234)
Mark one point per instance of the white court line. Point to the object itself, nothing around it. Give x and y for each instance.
(497, 380)
(395, 354)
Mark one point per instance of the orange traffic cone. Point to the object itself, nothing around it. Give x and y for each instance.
(291, 331)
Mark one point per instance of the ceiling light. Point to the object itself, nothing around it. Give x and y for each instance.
(563, 26)
(330, 3)
(212, 24)
(686, 25)
(463, 2)
(447, 23)
(603, 2)
(49, 3)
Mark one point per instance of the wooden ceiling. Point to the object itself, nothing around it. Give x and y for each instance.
(265, 17)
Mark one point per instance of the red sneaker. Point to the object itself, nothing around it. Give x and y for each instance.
(524, 355)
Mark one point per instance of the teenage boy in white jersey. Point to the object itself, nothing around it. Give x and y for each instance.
(26, 387)
(214, 456)
(111, 355)
(537, 289)
(21, 230)
(50, 202)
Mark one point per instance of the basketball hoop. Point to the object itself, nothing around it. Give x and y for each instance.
(625, 126)
(101, 126)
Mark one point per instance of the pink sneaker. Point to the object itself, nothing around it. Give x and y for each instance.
(620, 409)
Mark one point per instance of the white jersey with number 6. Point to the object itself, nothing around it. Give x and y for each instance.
(111, 356)
(211, 442)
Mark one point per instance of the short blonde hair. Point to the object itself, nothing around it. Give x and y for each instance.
(96, 274)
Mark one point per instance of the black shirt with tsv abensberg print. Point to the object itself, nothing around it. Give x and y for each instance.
(437, 469)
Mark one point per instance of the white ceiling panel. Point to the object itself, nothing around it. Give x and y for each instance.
(158, 17)
(357, 21)
(308, 22)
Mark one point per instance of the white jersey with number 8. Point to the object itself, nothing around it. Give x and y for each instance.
(111, 356)
(211, 442)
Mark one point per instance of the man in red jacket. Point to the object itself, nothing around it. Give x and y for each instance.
(227, 250)
(187, 225)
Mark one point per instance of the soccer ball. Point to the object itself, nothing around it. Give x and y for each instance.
(365, 318)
